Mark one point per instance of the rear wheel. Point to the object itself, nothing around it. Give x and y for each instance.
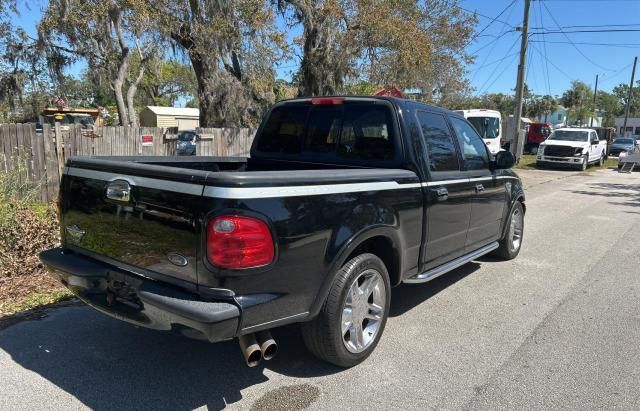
(353, 317)
(511, 243)
(601, 161)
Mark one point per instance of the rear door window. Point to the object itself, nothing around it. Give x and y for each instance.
(366, 133)
(441, 149)
(284, 130)
(331, 133)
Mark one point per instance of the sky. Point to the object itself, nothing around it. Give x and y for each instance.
(553, 59)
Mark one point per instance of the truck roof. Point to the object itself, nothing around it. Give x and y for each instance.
(400, 102)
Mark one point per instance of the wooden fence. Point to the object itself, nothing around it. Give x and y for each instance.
(39, 156)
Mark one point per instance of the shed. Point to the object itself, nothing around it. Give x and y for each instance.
(181, 117)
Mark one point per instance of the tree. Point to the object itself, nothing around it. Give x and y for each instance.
(107, 34)
(25, 82)
(166, 81)
(609, 105)
(577, 99)
(403, 43)
(233, 46)
(622, 92)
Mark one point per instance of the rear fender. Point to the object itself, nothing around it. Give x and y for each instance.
(345, 250)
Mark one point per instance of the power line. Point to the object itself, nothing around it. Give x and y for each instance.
(486, 57)
(585, 26)
(496, 68)
(545, 70)
(493, 42)
(586, 31)
(490, 23)
(574, 46)
(475, 69)
(484, 15)
(551, 62)
(623, 45)
(616, 74)
(499, 75)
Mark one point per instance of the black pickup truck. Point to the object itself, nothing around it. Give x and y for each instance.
(341, 199)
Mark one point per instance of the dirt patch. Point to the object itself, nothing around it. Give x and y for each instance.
(24, 292)
(292, 397)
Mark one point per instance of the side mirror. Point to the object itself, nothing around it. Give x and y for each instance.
(504, 160)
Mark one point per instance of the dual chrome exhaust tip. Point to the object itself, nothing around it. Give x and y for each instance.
(257, 347)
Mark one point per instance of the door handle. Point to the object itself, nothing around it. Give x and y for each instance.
(479, 188)
(442, 193)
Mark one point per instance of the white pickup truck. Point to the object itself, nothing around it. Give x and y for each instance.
(575, 147)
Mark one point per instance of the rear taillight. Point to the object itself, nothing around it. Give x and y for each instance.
(239, 242)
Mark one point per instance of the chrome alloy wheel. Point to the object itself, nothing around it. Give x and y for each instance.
(363, 311)
(515, 229)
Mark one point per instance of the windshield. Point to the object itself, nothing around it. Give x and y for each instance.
(186, 136)
(570, 135)
(487, 127)
(623, 141)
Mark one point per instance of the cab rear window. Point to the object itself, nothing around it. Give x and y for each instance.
(350, 131)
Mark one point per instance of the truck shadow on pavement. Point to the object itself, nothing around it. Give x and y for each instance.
(107, 364)
(621, 194)
(407, 296)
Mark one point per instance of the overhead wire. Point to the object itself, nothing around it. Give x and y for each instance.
(552, 63)
(490, 22)
(495, 43)
(544, 48)
(623, 45)
(499, 75)
(571, 41)
(496, 68)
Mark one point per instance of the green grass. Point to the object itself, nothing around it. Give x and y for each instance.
(35, 300)
(528, 162)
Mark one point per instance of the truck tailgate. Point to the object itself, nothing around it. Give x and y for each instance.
(139, 216)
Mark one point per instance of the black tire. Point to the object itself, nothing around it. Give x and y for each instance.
(585, 163)
(506, 249)
(323, 335)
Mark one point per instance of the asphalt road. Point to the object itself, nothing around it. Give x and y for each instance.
(559, 327)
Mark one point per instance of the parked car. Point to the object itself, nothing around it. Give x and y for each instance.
(341, 199)
(187, 143)
(630, 156)
(536, 134)
(621, 144)
(574, 147)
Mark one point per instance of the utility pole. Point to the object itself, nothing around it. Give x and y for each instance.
(626, 110)
(595, 94)
(516, 148)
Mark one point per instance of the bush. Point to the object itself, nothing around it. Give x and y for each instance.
(27, 227)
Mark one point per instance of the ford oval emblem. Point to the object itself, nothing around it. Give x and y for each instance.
(177, 259)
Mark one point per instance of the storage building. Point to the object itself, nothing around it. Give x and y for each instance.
(181, 117)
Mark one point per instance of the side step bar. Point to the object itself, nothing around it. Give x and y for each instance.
(451, 265)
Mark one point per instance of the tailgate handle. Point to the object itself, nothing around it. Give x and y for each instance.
(119, 190)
